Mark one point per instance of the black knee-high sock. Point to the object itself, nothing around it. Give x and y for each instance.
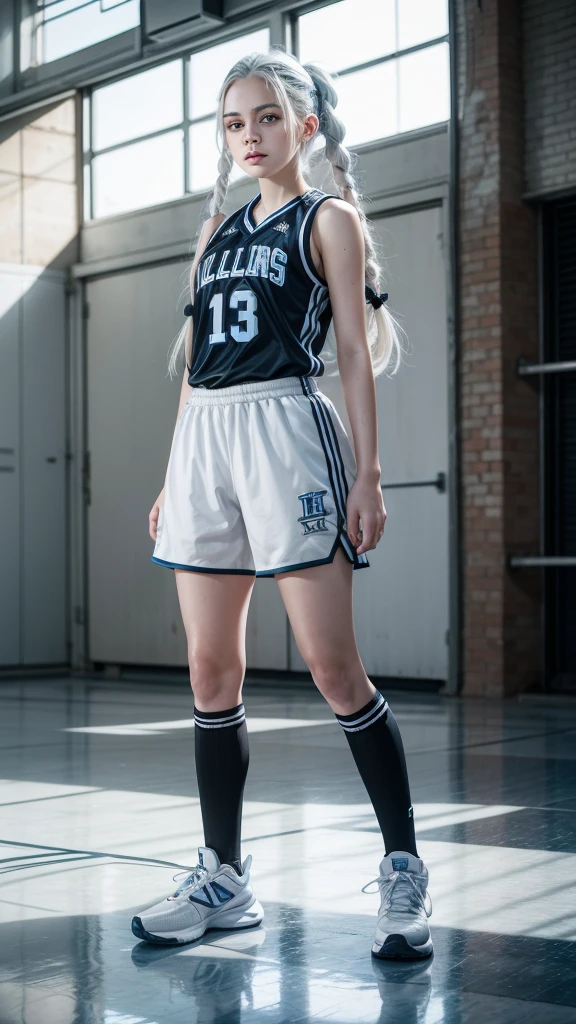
(222, 755)
(376, 745)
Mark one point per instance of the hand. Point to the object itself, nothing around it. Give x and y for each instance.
(366, 514)
(154, 513)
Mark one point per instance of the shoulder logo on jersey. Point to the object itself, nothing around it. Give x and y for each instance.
(314, 514)
(230, 231)
(282, 226)
(312, 196)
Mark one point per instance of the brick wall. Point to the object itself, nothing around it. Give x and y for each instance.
(549, 29)
(499, 412)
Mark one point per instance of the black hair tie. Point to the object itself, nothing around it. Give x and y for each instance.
(373, 297)
(188, 310)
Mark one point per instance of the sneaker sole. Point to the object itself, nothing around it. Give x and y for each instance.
(250, 917)
(397, 948)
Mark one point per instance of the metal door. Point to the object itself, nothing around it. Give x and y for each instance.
(401, 601)
(134, 615)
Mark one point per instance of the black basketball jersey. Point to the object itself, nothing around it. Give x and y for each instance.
(261, 310)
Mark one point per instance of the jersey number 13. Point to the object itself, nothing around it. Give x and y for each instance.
(247, 326)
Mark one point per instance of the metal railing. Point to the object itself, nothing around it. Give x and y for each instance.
(439, 483)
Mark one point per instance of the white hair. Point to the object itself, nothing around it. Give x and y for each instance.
(303, 89)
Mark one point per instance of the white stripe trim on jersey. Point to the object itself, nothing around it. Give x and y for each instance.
(306, 325)
(332, 445)
(315, 329)
(374, 718)
(309, 270)
(220, 723)
(311, 325)
(277, 213)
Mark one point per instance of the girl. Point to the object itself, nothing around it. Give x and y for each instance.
(262, 481)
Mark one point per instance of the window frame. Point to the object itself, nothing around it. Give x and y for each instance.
(317, 5)
(283, 26)
(86, 132)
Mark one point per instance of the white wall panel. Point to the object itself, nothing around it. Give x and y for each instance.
(10, 312)
(33, 580)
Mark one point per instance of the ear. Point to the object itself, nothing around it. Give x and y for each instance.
(309, 127)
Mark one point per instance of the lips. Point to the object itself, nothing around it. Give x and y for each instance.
(254, 155)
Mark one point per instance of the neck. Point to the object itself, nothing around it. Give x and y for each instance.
(278, 190)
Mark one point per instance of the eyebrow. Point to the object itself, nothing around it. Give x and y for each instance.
(255, 110)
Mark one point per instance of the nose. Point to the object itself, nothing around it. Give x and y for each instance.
(250, 135)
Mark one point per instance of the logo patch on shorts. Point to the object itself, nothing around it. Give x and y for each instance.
(314, 513)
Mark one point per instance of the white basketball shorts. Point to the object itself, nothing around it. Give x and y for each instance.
(257, 481)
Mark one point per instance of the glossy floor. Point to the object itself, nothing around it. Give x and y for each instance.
(100, 809)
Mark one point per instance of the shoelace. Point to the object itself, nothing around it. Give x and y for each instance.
(192, 880)
(401, 894)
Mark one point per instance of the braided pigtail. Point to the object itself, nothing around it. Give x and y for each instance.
(213, 206)
(383, 330)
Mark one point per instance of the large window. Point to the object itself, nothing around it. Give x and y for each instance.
(392, 60)
(55, 28)
(151, 137)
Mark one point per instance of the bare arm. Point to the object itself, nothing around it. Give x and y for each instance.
(337, 234)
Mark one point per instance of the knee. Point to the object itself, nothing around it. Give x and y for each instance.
(336, 678)
(215, 680)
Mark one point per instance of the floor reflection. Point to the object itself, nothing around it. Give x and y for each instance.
(96, 822)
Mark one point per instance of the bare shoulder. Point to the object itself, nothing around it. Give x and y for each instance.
(206, 231)
(209, 227)
(336, 218)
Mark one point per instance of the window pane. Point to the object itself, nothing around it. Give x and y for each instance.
(138, 105)
(86, 115)
(209, 68)
(204, 157)
(83, 27)
(424, 87)
(367, 103)
(421, 20)
(139, 175)
(87, 177)
(347, 33)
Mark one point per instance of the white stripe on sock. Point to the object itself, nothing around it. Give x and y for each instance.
(373, 718)
(220, 723)
(356, 721)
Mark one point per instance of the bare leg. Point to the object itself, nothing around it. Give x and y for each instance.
(214, 609)
(319, 604)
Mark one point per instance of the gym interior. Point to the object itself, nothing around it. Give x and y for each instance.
(462, 114)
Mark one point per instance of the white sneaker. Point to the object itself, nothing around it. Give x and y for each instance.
(212, 895)
(402, 932)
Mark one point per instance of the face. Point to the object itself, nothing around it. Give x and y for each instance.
(254, 124)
